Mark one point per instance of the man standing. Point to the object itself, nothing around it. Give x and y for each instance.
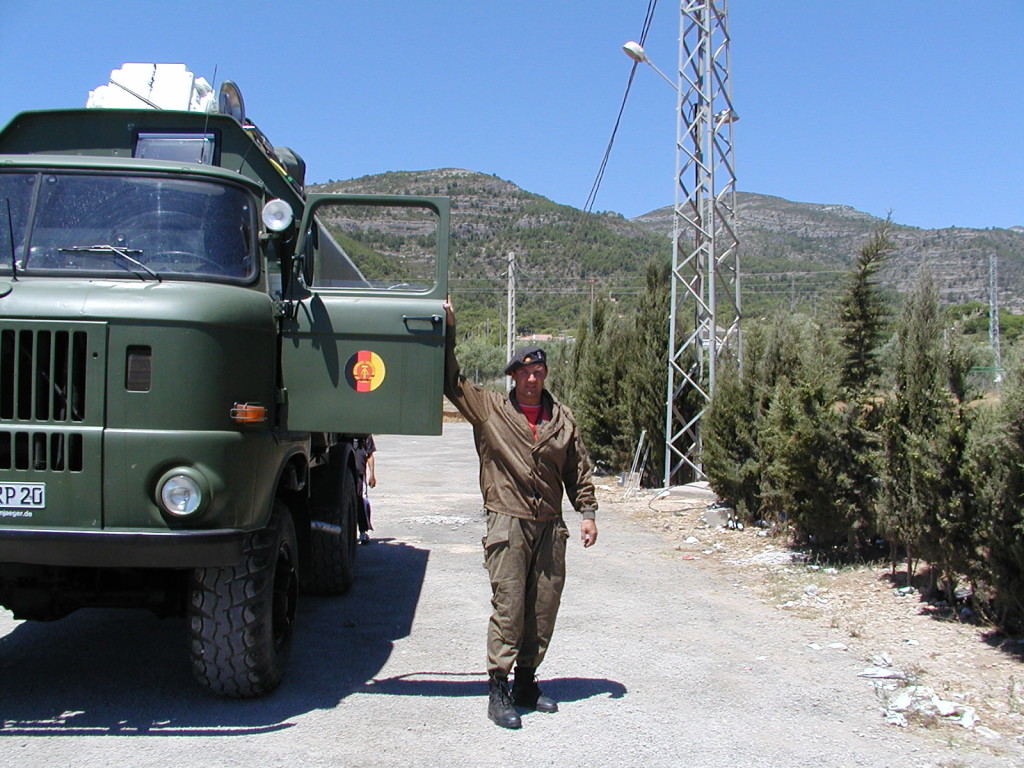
(530, 453)
(364, 448)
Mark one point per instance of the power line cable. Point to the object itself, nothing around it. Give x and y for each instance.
(592, 196)
(589, 204)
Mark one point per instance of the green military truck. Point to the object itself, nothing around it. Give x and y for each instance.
(188, 344)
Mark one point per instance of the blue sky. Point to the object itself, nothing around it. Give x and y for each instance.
(912, 106)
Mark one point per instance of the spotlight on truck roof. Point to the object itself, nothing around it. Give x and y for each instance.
(277, 215)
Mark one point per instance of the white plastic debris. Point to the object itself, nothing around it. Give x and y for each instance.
(882, 659)
(895, 718)
(882, 673)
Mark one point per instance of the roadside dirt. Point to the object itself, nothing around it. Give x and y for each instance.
(912, 645)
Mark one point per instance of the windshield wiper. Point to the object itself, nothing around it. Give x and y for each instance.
(122, 252)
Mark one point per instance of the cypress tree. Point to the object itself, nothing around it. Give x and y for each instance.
(646, 371)
(807, 450)
(597, 388)
(924, 441)
(862, 313)
(731, 457)
(999, 461)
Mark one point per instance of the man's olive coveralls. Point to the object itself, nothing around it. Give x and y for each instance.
(522, 481)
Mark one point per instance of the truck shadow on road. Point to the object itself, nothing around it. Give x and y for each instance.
(109, 672)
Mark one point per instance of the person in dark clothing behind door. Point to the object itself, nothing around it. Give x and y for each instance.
(364, 448)
(530, 453)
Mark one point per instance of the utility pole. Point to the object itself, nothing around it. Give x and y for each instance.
(510, 324)
(993, 314)
(591, 326)
(705, 248)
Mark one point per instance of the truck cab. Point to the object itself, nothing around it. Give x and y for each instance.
(189, 343)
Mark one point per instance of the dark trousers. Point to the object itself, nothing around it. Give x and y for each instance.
(526, 563)
(363, 510)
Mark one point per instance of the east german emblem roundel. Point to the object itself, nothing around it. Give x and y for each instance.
(365, 371)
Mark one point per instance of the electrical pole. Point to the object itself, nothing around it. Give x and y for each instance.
(993, 314)
(591, 326)
(510, 324)
(705, 248)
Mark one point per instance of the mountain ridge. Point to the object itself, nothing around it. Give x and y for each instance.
(791, 252)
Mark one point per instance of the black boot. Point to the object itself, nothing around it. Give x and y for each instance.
(499, 705)
(527, 694)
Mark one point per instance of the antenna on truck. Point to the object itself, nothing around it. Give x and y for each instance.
(206, 119)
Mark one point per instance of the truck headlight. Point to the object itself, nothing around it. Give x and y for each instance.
(183, 492)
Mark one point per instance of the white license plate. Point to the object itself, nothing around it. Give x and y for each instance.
(22, 495)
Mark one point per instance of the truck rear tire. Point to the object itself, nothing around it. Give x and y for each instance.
(241, 618)
(332, 555)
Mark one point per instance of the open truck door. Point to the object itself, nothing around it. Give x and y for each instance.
(363, 336)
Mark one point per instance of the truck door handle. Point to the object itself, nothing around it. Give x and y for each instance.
(412, 321)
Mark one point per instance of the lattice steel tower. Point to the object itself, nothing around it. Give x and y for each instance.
(705, 286)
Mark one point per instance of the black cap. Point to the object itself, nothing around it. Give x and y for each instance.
(525, 355)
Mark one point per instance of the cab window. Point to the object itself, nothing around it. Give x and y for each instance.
(146, 225)
(377, 247)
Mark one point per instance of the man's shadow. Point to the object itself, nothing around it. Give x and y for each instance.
(446, 685)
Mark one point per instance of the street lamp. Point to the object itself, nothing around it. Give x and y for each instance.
(636, 52)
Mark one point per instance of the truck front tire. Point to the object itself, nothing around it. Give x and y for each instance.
(241, 618)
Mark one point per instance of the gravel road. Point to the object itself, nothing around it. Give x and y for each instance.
(656, 663)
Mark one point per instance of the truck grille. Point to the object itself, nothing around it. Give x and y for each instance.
(41, 451)
(52, 414)
(51, 394)
(42, 377)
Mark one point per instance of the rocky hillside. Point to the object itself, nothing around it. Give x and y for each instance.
(808, 247)
(793, 254)
(562, 253)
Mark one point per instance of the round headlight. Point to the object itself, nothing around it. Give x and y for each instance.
(181, 495)
(277, 215)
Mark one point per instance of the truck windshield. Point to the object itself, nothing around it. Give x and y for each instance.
(147, 226)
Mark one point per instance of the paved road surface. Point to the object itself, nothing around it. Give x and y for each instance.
(655, 664)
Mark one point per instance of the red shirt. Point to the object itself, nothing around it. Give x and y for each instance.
(534, 415)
